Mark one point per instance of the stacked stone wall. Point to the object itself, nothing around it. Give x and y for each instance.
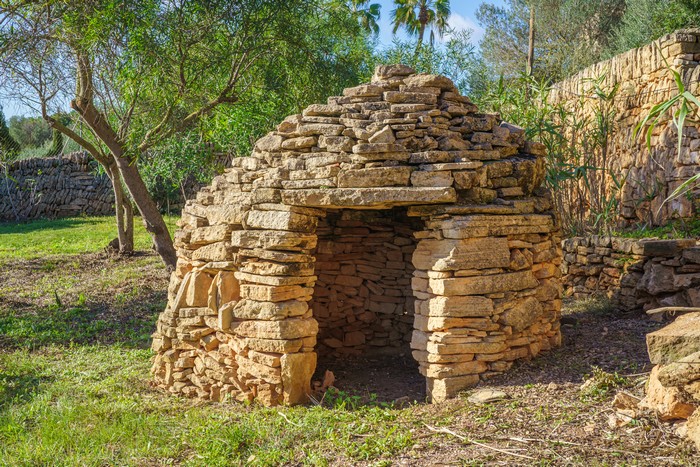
(363, 300)
(637, 275)
(53, 188)
(644, 80)
(243, 319)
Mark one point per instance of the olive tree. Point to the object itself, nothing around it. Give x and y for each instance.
(139, 72)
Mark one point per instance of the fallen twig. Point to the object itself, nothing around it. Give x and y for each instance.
(464, 438)
(288, 420)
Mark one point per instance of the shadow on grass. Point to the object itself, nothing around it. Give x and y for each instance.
(19, 386)
(94, 323)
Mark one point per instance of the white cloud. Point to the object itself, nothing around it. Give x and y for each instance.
(460, 23)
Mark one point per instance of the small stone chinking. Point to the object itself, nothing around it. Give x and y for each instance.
(248, 293)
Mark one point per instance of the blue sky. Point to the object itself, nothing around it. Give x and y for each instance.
(462, 17)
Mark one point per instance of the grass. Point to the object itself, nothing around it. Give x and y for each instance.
(90, 405)
(75, 387)
(677, 228)
(71, 236)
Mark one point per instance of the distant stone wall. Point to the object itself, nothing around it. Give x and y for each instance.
(54, 187)
(644, 80)
(635, 274)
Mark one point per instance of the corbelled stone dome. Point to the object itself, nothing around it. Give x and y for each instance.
(395, 215)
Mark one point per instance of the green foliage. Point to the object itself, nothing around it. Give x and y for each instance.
(579, 173)
(681, 106)
(29, 132)
(676, 228)
(367, 13)
(647, 20)
(8, 146)
(569, 35)
(415, 16)
(600, 384)
(456, 58)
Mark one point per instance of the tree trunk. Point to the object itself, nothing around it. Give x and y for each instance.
(152, 219)
(531, 42)
(124, 214)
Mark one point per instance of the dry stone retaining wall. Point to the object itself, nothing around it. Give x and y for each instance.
(54, 187)
(644, 81)
(261, 273)
(636, 274)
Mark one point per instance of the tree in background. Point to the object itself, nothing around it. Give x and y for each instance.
(8, 146)
(367, 14)
(456, 59)
(29, 132)
(647, 20)
(142, 72)
(571, 34)
(415, 16)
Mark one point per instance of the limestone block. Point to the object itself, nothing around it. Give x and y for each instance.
(484, 284)
(681, 372)
(675, 341)
(368, 198)
(279, 220)
(224, 288)
(250, 369)
(439, 390)
(385, 135)
(667, 248)
(299, 143)
(273, 240)
(297, 370)
(197, 294)
(427, 80)
(456, 306)
(226, 215)
(269, 142)
(374, 177)
(272, 293)
(212, 234)
(246, 277)
(423, 179)
(670, 403)
(523, 314)
(452, 255)
(251, 309)
(272, 268)
(219, 251)
(291, 328)
(336, 143)
(440, 370)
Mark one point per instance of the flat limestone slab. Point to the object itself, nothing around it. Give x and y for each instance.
(368, 198)
(675, 341)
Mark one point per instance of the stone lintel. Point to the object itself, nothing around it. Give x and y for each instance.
(368, 198)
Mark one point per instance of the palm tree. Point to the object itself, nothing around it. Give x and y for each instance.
(416, 15)
(367, 14)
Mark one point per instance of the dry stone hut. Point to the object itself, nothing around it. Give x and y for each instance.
(392, 216)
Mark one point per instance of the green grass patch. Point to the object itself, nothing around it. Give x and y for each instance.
(91, 405)
(42, 238)
(678, 228)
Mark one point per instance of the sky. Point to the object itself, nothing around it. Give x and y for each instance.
(463, 16)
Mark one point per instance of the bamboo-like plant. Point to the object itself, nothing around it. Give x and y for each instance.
(688, 105)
